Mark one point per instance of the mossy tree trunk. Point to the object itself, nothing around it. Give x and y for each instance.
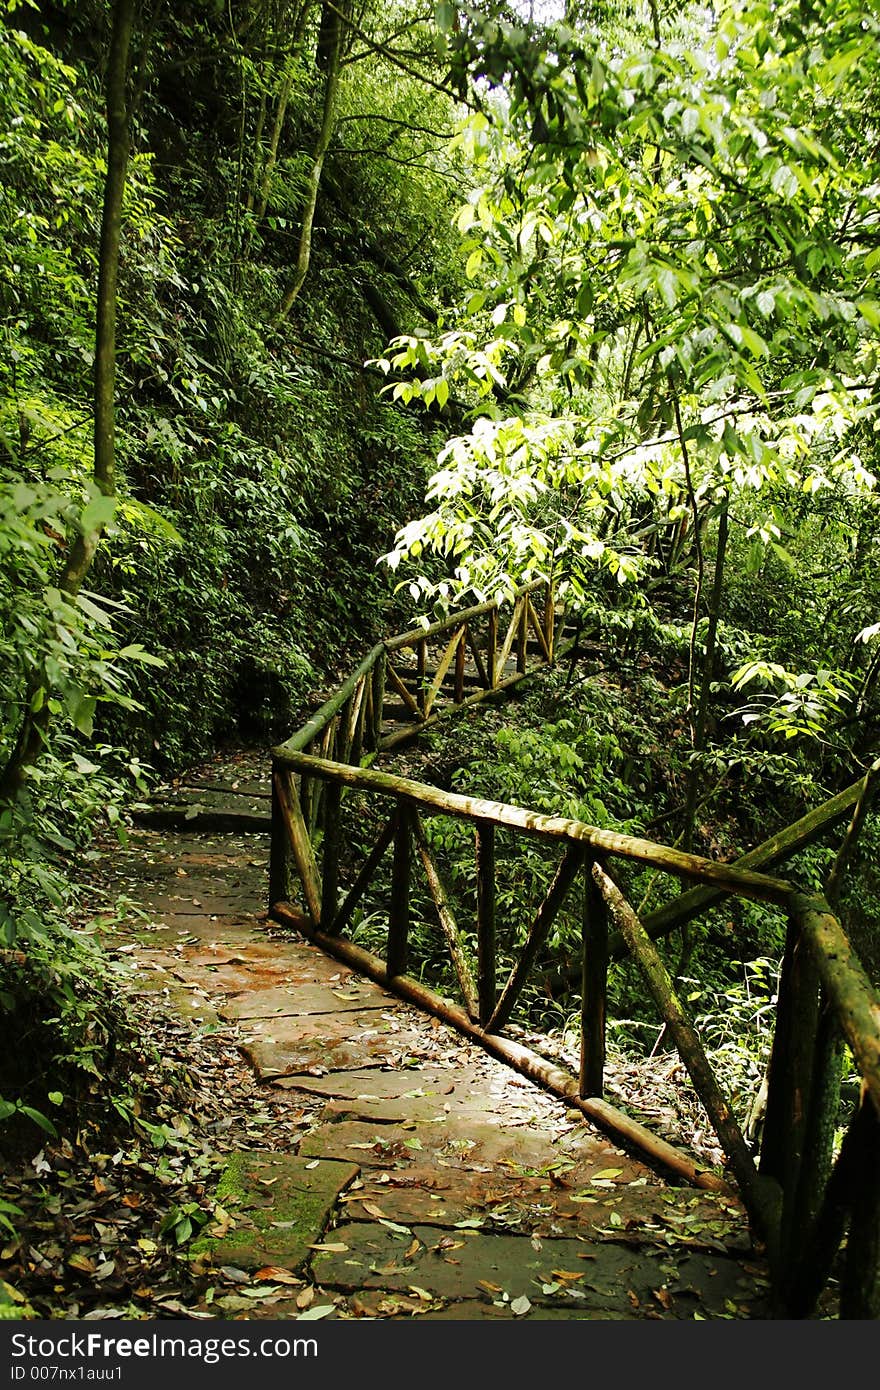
(331, 41)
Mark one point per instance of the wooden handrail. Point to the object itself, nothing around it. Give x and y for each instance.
(330, 708)
(464, 615)
(743, 882)
(798, 1200)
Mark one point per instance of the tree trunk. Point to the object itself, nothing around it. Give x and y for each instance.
(702, 710)
(329, 57)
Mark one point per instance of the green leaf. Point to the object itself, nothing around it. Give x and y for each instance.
(96, 514)
(474, 261)
(39, 1119)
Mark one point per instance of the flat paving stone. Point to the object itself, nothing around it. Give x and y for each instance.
(476, 1145)
(305, 997)
(281, 1047)
(227, 979)
(190, 902)
(555, 1272)
(375, 1084)
(470, 1310)
(280, 1204)
(635, 1214)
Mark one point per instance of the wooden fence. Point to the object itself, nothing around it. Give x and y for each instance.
(804, 1202)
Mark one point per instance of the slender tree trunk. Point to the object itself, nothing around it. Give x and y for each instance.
(32, 735)
(275, 138)
(329, 56)
(701, 713)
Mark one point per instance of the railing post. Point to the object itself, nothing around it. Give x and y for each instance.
(485, 853)
(789, 1088)
(860, 1284)
(280, 853)
(822, 1116)
(378, 680)
(343, 729)
(421, 673)
(460, 655)
(594, 987)
(550, 618)
(492, 647)
(330, 864)
(522, 637)
(398, 918)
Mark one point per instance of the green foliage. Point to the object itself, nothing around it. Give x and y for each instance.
(673, 308)
(68, 1044)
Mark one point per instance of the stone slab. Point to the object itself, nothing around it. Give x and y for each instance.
(296, 1045)
(559, 1273)
(228, 979)
(280, 1204)
(374, 1084)
(303, 996)
(634, 1214)
(195, 903)
(480, 1145)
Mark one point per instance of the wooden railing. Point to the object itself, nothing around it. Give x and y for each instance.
(801, 1199)
(414, 678)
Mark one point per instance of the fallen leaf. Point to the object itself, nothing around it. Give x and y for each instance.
(520, 1306)
(306, 1297)
(413, 1249)
(490, 1288)
(275, 1275)
(373, 1210)
(323, 1310)
(663, 1297)
(332, 1247)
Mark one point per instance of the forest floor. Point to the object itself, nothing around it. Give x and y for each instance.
(325, 1150)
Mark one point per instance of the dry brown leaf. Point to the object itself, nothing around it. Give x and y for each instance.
(274, 1275)
(306, 1297)
(413, 1249)
(372, 1209)
(663, 1297)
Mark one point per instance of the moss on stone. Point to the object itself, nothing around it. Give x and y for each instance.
(284, 1219)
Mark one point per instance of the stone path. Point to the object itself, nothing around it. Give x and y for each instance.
(435, 1182)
